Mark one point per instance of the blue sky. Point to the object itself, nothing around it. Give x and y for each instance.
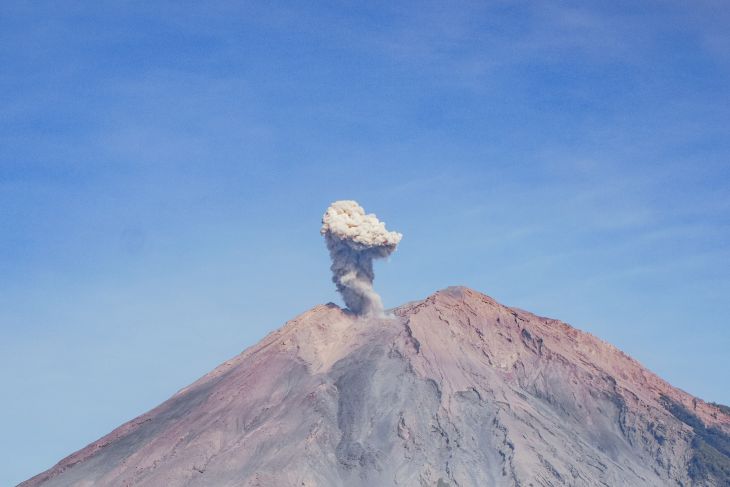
(164, 167)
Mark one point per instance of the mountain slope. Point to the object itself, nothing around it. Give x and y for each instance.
(454, 390)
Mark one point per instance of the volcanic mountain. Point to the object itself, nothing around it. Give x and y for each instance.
(454, 390)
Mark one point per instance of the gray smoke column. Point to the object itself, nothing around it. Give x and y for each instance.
(354, 239)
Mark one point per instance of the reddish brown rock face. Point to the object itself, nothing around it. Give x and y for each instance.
(453, 390)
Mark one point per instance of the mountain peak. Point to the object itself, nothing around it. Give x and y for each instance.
(455, 389)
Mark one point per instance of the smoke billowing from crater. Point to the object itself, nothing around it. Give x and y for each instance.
(354, 239)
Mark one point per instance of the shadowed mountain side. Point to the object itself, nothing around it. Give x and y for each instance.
(452, 390)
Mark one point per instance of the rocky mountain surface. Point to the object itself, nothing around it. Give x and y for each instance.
(454, 390)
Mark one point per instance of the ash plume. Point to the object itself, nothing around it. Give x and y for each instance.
(354, 239)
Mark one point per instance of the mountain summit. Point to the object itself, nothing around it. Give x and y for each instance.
(454, 390)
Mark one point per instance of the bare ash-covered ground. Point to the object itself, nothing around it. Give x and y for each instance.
(454, 390)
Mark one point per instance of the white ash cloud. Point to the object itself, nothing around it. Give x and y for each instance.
(354, 239)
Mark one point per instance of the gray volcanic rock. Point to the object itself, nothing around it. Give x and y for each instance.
(454, 390)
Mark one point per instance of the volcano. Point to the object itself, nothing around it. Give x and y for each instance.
(454, 390)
